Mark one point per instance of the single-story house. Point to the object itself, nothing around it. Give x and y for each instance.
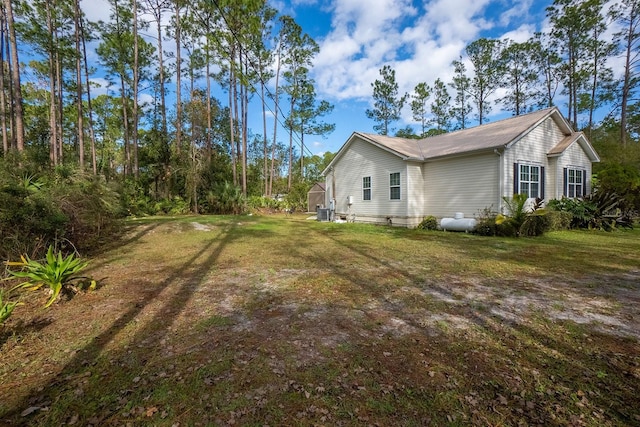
(316, 197)
(399, 181)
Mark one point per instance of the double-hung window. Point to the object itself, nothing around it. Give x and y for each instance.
(529, 180)
(366, 188)
(574, 182)
(394, 186)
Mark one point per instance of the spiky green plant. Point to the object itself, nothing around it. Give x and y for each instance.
(6, 307)
(55, 273)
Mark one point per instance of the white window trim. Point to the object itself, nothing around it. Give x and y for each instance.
(583, 184)
(399, 186)
(539, 181)
(370, 188)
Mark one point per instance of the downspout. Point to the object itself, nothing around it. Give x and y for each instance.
(500, 179)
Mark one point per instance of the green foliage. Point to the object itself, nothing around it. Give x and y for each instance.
(623, 180)
(55, 272)
(91, 207)
(558, 220)
(296, 198)
(6, 307)
(516, 207)
(37, 210)
(596, 211)
(387, 101)
(428, 223)
(226, 198)
(29, 219)
(518, 222)
(262, 202)
(535, 224)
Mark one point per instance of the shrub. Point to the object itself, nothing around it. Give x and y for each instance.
(29, 220)
(91, 206)
(596, 211)
(226, 198)
(486, 222)
(535, 224)
(558, 220)
(428, 223)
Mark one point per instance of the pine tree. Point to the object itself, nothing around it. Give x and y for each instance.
(387, 103)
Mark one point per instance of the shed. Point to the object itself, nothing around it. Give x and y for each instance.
(316, 196)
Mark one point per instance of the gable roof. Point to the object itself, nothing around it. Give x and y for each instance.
(500, 134)
(318, 187)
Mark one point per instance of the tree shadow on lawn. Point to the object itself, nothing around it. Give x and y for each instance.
(44, 402)
(532, 347)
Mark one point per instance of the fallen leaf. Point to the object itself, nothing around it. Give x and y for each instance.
(151, 411)
(30, 410)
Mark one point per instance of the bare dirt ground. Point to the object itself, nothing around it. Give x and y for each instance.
(358, 342)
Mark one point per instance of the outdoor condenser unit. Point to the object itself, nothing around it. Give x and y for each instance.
(323, 214)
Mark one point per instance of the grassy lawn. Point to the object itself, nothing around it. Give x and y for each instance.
(283, 321)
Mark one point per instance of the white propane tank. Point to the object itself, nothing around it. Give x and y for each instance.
(458, 223)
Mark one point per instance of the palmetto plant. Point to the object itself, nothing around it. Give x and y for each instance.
(55, 272)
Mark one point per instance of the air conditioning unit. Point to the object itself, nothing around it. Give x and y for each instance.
(323, 214)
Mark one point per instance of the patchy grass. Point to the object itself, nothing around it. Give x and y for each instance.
(281, 321)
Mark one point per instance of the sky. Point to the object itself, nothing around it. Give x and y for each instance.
(418, 38)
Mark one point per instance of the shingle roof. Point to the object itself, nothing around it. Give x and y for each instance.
(485, 137)
(490, 136)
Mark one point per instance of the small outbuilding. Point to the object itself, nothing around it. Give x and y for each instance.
(315, 196)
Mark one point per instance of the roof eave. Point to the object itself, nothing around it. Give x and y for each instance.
(493, 149)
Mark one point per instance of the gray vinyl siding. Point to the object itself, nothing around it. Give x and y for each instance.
(364, 159)
(463, 184)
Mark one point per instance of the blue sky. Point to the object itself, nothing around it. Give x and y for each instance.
(418, 38)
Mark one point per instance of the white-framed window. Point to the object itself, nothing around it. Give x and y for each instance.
(394, 186)
(574, 182)
(529, 180)
(366, 188)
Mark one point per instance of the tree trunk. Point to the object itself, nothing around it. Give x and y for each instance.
(79, 85)
(178, 79)
(245, 127)
(3, 100)
(18, 114)
(125, 119)
(92, 136)
(275, 120)
(136, 77)
(232, 124)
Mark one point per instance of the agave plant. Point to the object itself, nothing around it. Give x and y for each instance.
(55, 273)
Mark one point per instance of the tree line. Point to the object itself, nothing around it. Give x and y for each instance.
(571, 64)
(159, 128)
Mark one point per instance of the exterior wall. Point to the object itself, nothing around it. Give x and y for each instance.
(573, 157)
(315, 197)
(462, 184)
(533, 148)
(416, 199)
(364, 159)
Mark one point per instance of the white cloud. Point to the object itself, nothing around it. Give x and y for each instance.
(418, 44)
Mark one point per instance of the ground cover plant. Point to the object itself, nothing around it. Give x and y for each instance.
(277, 320)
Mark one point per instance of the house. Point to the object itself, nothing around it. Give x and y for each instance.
(398, 181)
(316, 197)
